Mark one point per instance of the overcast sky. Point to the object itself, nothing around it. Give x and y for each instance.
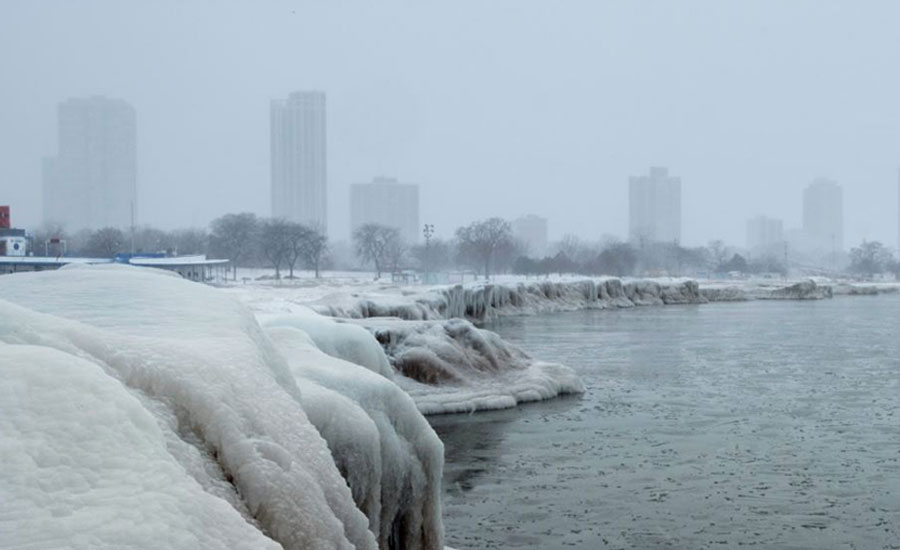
(495, 108)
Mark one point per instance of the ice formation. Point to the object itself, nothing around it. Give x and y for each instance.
(398, 486)
(443, 361)
(479, 302)
(453, 366)
(190, 419)
(345, 341)
(85, 465)
(807, 289)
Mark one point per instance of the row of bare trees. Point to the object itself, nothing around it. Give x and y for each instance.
(245, 239)
(242, 238)
(486, 246)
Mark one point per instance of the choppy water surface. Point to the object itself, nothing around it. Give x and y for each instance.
(761, 424)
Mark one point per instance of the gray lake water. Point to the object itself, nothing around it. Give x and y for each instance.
(760, 424)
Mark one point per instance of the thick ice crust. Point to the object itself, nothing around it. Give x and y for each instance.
(479, 302)
(200, 391)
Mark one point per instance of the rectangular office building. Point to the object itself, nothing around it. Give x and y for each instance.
(298, 156)
(92, 181)
(387, 202)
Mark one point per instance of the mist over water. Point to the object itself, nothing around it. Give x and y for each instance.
(757, 424)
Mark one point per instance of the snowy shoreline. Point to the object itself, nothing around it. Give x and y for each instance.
(241, 417)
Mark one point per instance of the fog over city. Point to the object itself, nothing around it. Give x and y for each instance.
(398, 275)
(495, 109)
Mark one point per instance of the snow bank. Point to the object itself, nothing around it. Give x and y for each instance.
(479, 302)
(398, 485)
(453, 366)
(85, 465)
(344, 341)
(228, 405)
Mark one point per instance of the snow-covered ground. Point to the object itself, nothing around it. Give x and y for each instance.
(140, 410)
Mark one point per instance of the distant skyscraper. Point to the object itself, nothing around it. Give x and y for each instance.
(823, 215)
(92, 182)
(764, 233)
(654, 207)
(299, 179)
(387, 202)
(532, 231)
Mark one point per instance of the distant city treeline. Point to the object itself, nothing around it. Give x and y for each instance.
(483, 247)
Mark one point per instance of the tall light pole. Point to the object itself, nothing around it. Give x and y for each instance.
(786, 270)
(428, 232)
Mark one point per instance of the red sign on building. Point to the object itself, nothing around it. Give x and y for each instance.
(4, 217)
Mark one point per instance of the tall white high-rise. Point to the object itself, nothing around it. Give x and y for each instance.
(299, 178)
(531, 230)
(387, 202)
(92, 182)
(823, 216)
(654, 207)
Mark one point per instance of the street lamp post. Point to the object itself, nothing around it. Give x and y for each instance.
(428, 232)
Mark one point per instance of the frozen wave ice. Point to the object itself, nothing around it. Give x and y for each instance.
(227, 404)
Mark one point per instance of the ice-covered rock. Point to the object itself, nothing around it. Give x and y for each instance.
(479, 302)
(738, 291)
(803, 290)
(453, 366)
(228, 406)
(725, 294)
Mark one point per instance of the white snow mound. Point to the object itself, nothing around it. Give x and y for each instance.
(85, 465)
(227, 408)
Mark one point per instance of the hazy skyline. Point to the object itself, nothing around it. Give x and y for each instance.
(503, 108)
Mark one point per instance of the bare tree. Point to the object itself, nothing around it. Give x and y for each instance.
(41, 244)
(190, 241)
(376, 243)
(571, 246)
(234, 236)
(482, 240)
(619, 259)
(314, 248)
(150, 239)
(434, 256)
(869, 259)
(394, 253)
(296, 237)
(718, 254)
(275, 242)
(105, 243)
(306, 243)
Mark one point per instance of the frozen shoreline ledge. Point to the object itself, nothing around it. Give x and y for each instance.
(450, 365)
(481, 302)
